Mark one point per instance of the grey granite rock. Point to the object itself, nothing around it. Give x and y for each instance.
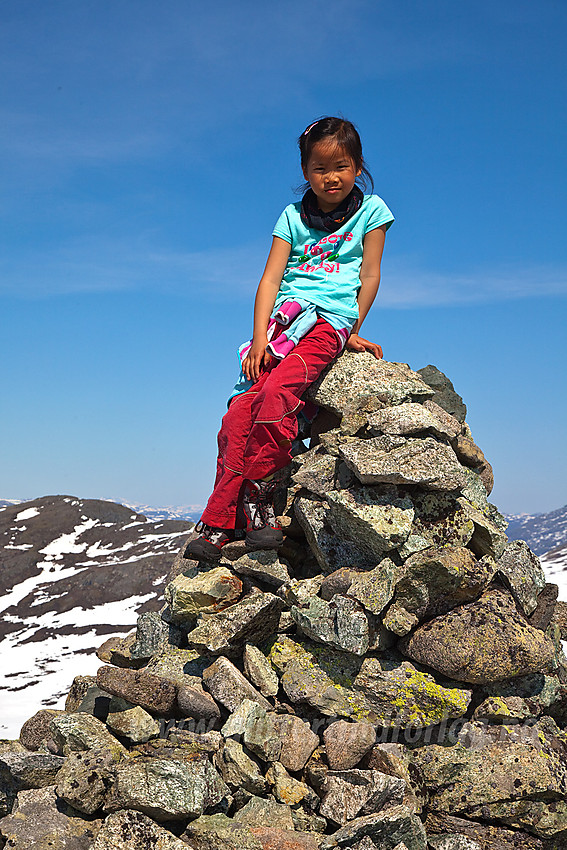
(376, 519)
(238, 770)
(317, 474)
(333, 552)
(219, 832)
(135, 724)
(255, 618)
(264, 566)
(487, 538)
(522, 572)
(35, 731)
(76, 732)
(440, 520)
(444, 392)
(43, 822)
(229, 687)
(22, 771)
(426, 462)
(85, 778)
(356, 378)
(409, 418)
(375, 588)
(195, 703)
(288, 790)
(452, 841)
(152, 633)
(131, 830)
(434, 581)
(167, 789)
(261, 735)
(386, 829)
(201, 592)
(259, 812)
(347, 743)
(260, 672)
(350, 793)
(341, 623)
(182, 667)
(481, 641)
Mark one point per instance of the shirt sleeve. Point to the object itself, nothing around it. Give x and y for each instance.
(283, 227)
(380, 214)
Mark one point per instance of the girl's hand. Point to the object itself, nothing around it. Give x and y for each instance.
(358, 343)
(256, 358)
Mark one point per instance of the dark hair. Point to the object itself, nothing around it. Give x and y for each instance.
(344, 134)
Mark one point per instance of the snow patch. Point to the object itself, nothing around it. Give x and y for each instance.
(27, 514)
(67, 543)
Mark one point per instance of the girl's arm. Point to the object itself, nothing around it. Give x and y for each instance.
(370, 281)
(268, 288)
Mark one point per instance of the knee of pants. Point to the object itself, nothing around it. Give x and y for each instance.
(274, 405)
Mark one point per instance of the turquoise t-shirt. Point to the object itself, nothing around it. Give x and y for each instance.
(323, 268)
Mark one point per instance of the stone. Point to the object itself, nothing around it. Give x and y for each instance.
(481, 641)
(195, 703)
(76, 732)
(284, 839)
(153, 693)
(374, 588)
(493, 764)
(396, 694)
(503, 710)
(85, 778)
(298, 741)
(77, 692)
(559, 615)
(167, 789)
(288, 790)
(440, 520)
(337, 582)
(300, 591)
(356, 378)
(341, 623)
(23, 771)
(545, 818)
(238, 770)
(118, 651)
(259, 670)
(522, 573)
(182, 667)
(347, 743)
(134, 723)
(254, 618)
(488, 836)
(219, 832)
(229, 687)
(349, 793)
(317, 474)
(409, 418)
(548, 609)
(96, 702)
(487, 538)
(386, 829)
(259, 812)
(35, 731)
(387, 692)
(426, 462)
(444, 392)
(306, 821)
(152, 633)
(260, 734)
(206, 592)
(236, 723)
(536, 691)
(41, 822)
(450, 424)
(394, 759)
(131, 830)
(376, 519)
(332, 552)
(452, 842)
(264, 566)
(434, 581)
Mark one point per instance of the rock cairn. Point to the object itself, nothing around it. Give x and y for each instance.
(391, 678)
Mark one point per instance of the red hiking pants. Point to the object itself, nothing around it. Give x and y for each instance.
(258, 428)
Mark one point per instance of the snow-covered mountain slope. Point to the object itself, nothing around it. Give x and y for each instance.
(72, 573)
(541, 532)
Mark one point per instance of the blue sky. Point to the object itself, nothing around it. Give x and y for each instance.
(146, 151)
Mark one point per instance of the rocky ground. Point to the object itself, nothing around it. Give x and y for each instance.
(392, 678)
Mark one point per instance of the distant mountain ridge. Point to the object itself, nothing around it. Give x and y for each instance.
(542, 532)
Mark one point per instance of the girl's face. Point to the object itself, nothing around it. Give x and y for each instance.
(331, 173)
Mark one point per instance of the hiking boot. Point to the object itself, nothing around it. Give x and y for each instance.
(263, 530)
(208, 546)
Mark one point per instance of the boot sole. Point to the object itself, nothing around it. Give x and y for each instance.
(196, 551)
(255, 544)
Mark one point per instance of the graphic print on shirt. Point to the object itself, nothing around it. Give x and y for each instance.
(325, 250)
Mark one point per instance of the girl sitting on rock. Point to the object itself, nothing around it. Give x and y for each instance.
(320, 280)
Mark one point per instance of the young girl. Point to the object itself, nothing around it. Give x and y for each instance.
(321, 277)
